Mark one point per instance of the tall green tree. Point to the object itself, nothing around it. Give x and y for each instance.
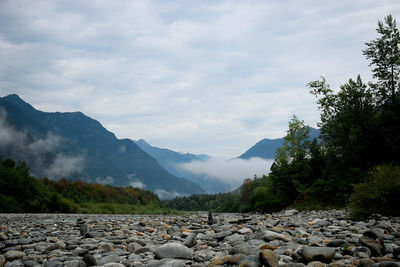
(384, 53)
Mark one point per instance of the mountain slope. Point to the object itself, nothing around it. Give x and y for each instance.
(171, 160)
(266, 148)
(104, 157)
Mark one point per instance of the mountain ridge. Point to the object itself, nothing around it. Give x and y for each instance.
(120, 161)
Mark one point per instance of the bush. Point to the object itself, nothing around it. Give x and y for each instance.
(379, 194)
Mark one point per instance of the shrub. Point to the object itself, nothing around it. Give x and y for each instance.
(379, 194)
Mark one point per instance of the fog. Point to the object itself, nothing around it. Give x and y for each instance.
(229, 171)
(36, 152)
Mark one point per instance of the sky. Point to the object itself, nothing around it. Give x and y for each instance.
(206, 76)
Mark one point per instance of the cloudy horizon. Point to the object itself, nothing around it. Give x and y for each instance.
(212, 77)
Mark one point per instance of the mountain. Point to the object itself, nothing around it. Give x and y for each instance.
(171, 160)
(72, 145)
(266, 148)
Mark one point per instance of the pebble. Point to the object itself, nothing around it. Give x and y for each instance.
(288, 238)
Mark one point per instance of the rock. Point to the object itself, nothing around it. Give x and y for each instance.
(114, 264)
(291, 212)
(113, 258)
(166, 263)
(220, 261)
(107, 247)
(52, 263)
(234, 238)
(336, 243)
(268, 258)
(84, 229)
(89, 260)
(14, 255)
(375, 247)
(2, 260)
(174, 251)
(15, 263)
(54, 246)
(75, 263)
(323, 254)
(270, 235)
(375, 233)
(190, 240)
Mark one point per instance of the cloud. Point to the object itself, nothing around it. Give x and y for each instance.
(137, 184)
(9, 135)
(64, 166)
(38, 152)
(105, 180)
(163, 194)
(229, 171)
(223, 73)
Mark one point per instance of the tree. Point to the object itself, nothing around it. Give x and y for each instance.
(349, 122)
(384, 53)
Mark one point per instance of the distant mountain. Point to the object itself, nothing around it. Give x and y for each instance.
(75, 146)
(266, 148)
(171, 160)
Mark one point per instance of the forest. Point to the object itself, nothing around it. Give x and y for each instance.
(355, 161)
(20, 192)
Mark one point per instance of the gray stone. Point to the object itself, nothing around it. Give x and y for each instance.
(166, 263)
(234, 238)
(54, 246)
(75, 263)
(113, 264)
(89, 260)
(190, 240)
(291, 212)
(174, 250)
(52, 263)
(15, 263)
(109, 259)
(270, 236)
(14, 255)
(84, 229)
(323, 254)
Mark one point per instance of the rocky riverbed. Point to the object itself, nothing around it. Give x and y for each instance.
(288, 238)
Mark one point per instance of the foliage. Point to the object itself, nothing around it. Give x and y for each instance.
(20, 192)
(222, 202)
(379, 194)
(384, 53)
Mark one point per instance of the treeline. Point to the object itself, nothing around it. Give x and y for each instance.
(20, 192)
(222, 202)
(355, 162)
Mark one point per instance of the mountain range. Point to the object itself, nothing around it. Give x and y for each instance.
(266, 148)
(172, 161)
(72, 145)
(75, 146)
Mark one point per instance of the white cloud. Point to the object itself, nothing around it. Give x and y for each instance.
(137, 184)
(229, 171)
(163, 194)
(105, 180)
(63, 166)
(206, 77)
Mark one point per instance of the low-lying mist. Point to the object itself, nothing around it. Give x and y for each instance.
(40, 154)
(229, 171)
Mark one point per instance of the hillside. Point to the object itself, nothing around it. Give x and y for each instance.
(80, 145)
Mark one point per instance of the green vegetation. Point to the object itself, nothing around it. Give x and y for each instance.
(357, 156)
(20, 192)
(379, 194)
